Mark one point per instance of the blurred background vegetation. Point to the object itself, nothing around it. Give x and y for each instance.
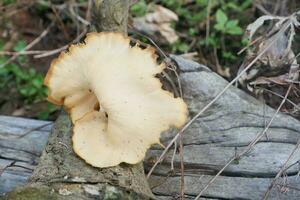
(33, 32)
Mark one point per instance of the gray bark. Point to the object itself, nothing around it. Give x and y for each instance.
(110, 15)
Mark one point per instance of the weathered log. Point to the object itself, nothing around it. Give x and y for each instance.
(213, 139)
(226, 128)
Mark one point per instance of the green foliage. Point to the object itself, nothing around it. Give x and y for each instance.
(46, 113)
(139, 9)
(180, 46)
(21, 44)
(225, 25)
(42, 6)
(224, 20)
(29, 83)
(7, 2)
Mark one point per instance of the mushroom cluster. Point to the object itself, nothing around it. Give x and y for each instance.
(117, 106)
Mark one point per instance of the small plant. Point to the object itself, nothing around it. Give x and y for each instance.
(226, 26)
(27, 82)
(139, 9)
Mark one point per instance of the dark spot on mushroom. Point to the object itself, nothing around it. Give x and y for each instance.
(132, 43)
(106, 115)
(97, 106)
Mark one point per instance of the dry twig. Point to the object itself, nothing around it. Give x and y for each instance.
(55, 51)
(29, 46)
(248, 148)
(279, 95)
(285, 27)
(282, 170)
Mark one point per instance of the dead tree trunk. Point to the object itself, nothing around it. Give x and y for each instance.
(60, 173)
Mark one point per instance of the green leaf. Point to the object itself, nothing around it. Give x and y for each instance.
(202, 2)
(235, 31)
(221, 17)
(219, 27)
(212, 40)
(139, 9)
(37, 82)
(27, 91)
(229, 56)
(4, 71)
(21, 44)
(192, 32)
(246, 4)
(231, 24)
(233, 6)
(46, 112)
(3, 59)
(233, 28)
(180, 47)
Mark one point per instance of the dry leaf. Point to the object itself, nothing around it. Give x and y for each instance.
(279, 80)
(158, 22)
(253, 27)
(190, 56)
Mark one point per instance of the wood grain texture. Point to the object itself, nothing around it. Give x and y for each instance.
(226, 128)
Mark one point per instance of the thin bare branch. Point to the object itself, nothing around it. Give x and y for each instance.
(29, 46)
(283, 168)
(287, 24)
(208, 20)
(288, 186)
(248, 148)
(13, 53)
(261, 8)
(279, 95)
(51, 52)
(55, 51)
(181, 167)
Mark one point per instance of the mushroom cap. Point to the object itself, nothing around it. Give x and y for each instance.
(107, 73)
